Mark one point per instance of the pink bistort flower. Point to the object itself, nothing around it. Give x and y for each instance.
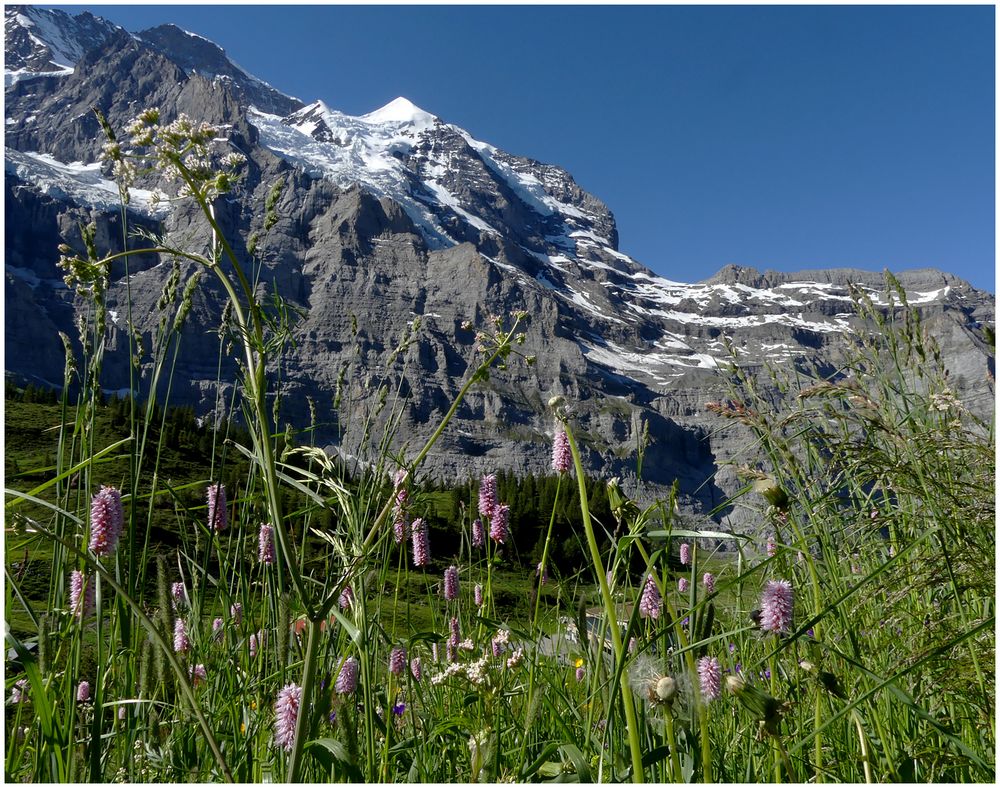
(487, 496)
(181, 642)
(421, 543)
(286, 716)
(500, 523)
(776, 606)
(451, 583)
(708, 580)
(562, 458)
(650, 602)
(218, 515)
(107, 520)
(685, 554)
(81, 594)
(83, 692)
(710, 678)
(265, 544)
(478, 533)
(397, 660)
(347, 679)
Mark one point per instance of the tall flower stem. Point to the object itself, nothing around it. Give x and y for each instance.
(609, 610)
(534, 618)
(308, 678)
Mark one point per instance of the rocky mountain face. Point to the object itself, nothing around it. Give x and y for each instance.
(397, 215)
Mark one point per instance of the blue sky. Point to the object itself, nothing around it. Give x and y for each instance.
(773, 137)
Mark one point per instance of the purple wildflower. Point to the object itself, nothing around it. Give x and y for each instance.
(421, 543)
(708, 580)
(776, 606)
(580, 673)
(177, 593)
(562, 458)
(83, 692)
(650, 603)
(19, 692)
(346, 598)
(266, 544)
(181, 642)
(256, 641)
(399, 708)
(478, 533)
(400, 527)
(500, 523)
(682, 585)
(198, 674)
(772, 547)
(347, 680)
(397, 660)
(217, 628)
(416, 669)
(81, 594)
(710, 678)
(286, 715)
(451, 583)
(685, 554)
(236, 613)
(477, 595)
(107, 520)
(487, 496)
(218, 515)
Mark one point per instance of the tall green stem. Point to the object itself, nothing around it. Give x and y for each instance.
(609, 609)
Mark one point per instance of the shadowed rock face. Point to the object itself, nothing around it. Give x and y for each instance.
(398, 215)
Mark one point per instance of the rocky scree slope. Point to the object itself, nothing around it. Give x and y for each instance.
(397, 215)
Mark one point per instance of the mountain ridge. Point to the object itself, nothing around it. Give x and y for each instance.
(398, 214)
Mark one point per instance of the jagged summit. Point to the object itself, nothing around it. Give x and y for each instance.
(43, 42)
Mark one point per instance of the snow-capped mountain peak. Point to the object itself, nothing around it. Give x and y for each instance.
(401, 110)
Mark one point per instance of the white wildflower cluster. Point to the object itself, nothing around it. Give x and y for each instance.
(944, 401)
(515, 658)
(454, 669)
(194, 154)
(467, 645)
(476, 671)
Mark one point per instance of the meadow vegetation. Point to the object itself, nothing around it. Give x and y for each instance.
(194, 601)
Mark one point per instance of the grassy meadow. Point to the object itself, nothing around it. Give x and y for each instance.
(188, 602)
